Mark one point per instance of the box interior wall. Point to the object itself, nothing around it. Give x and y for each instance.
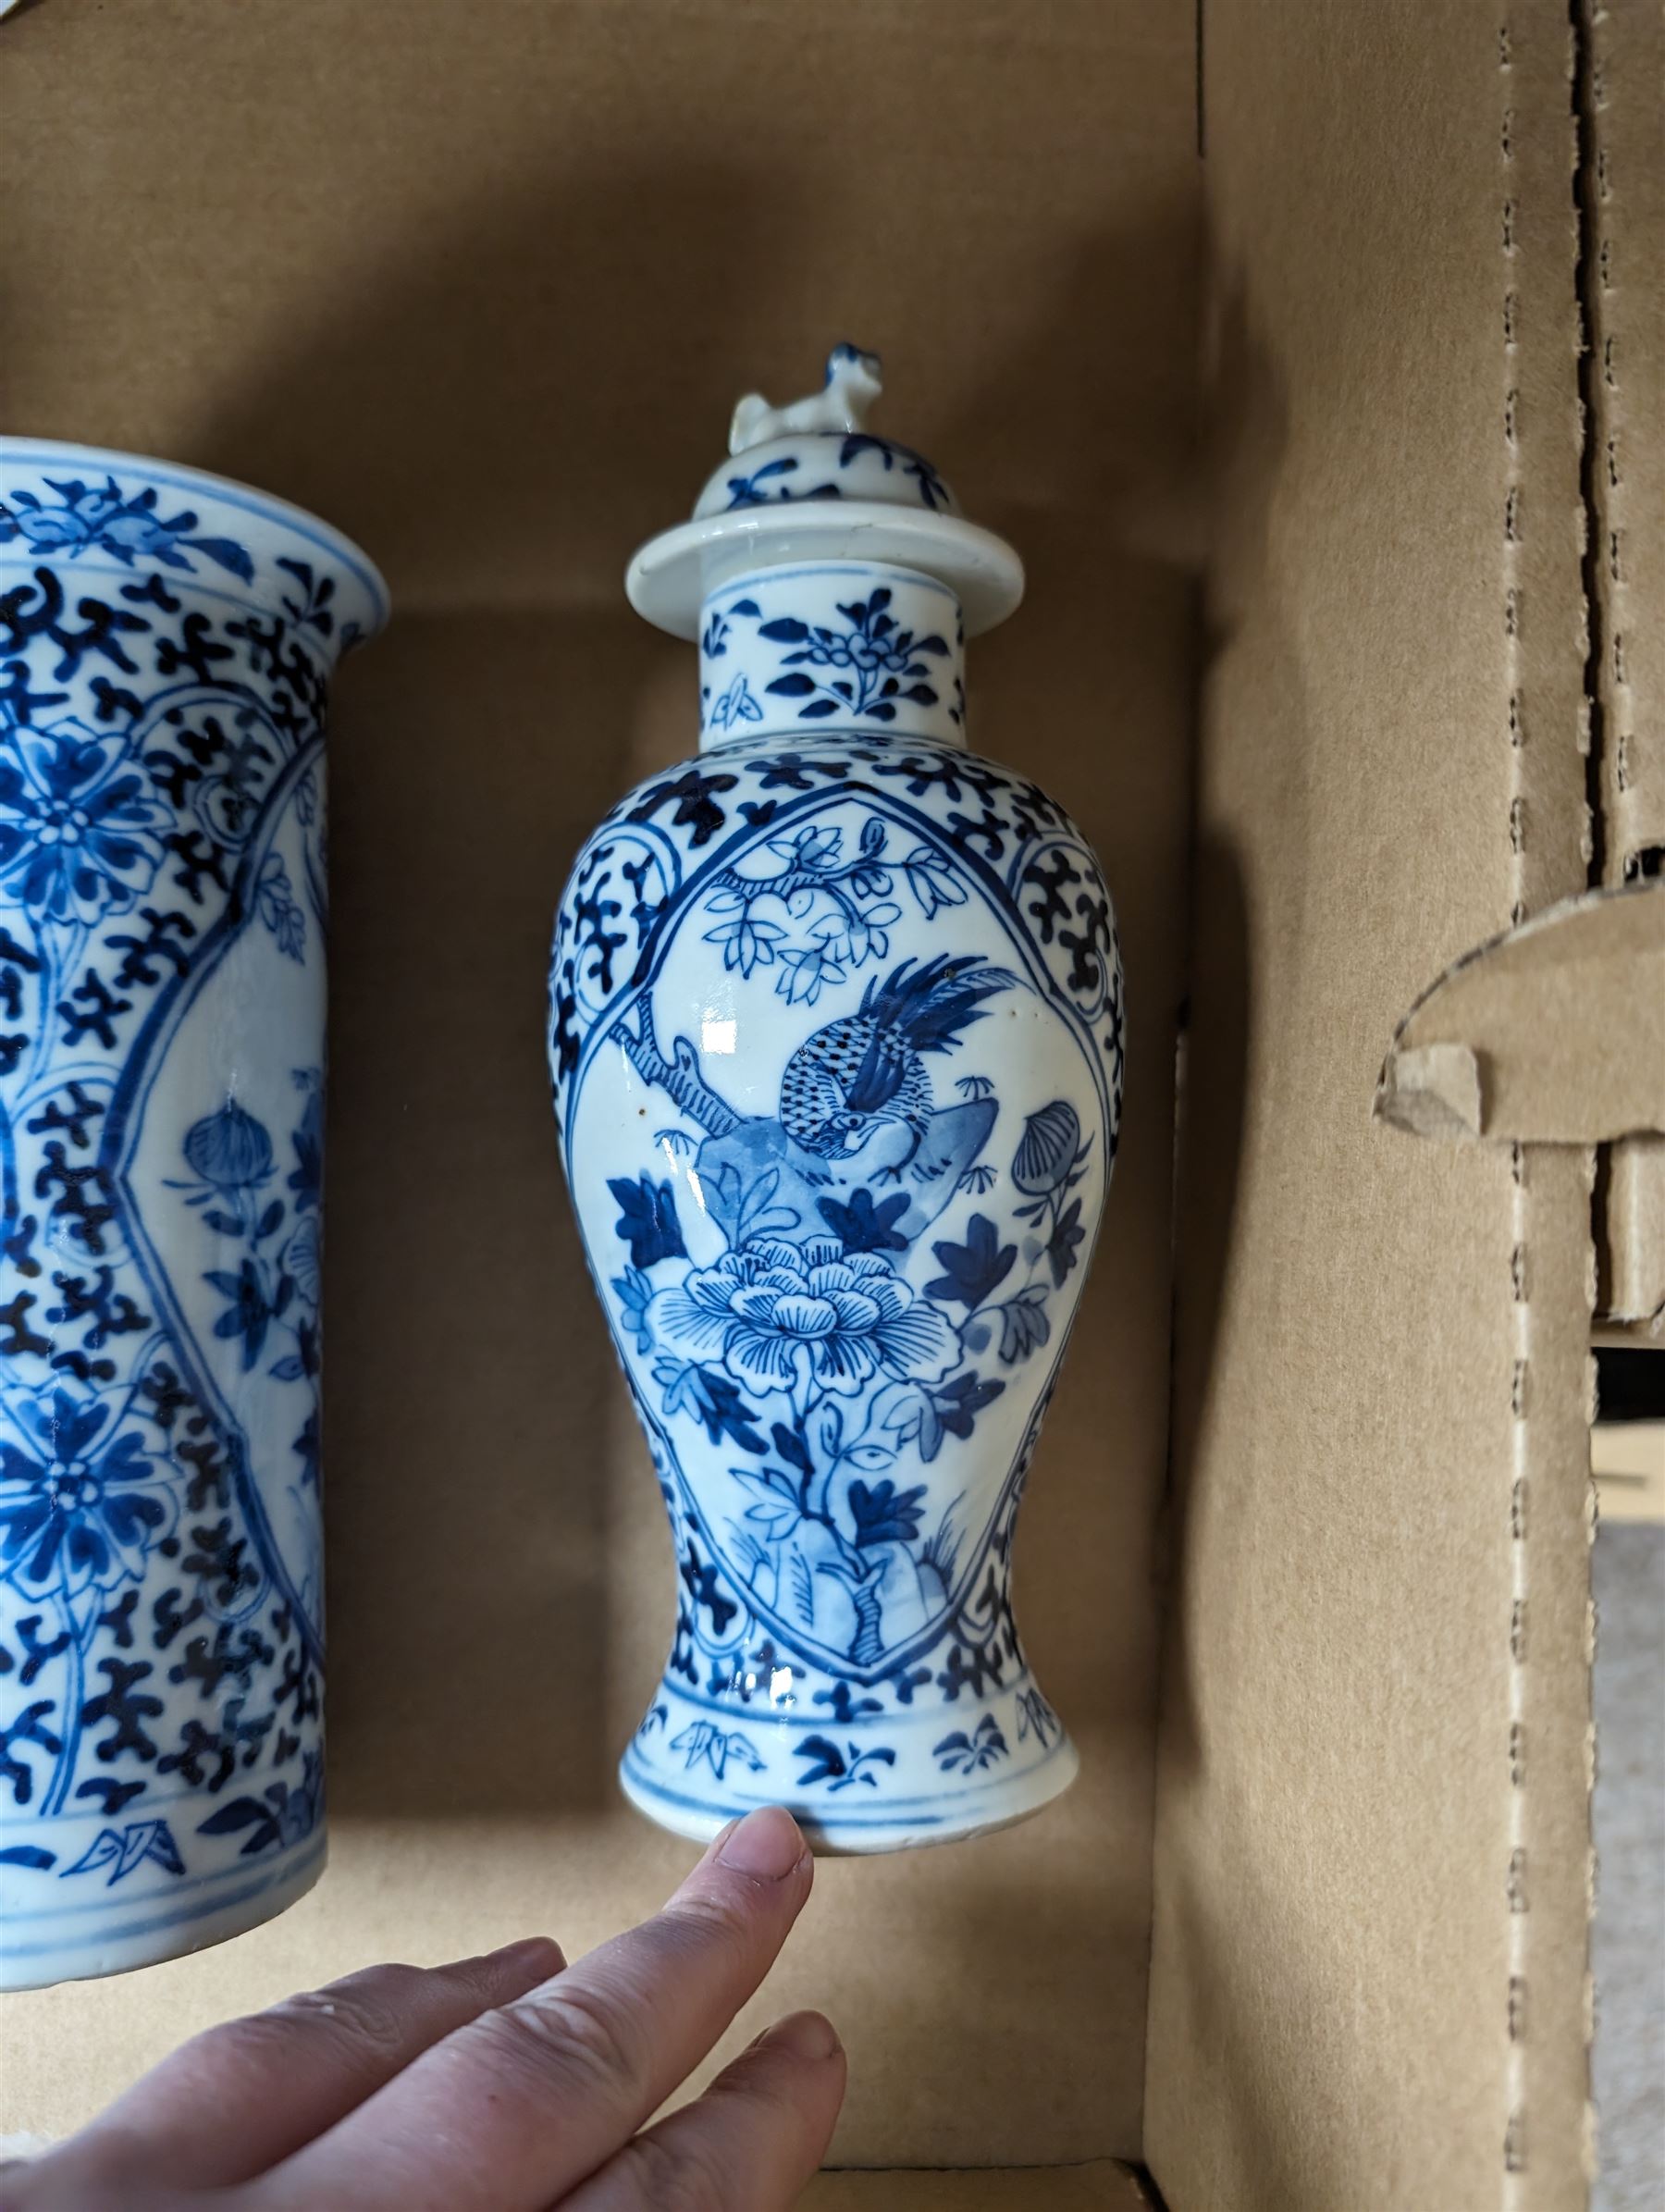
(1267, 356)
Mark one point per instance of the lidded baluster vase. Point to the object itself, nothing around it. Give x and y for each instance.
(836, 1038)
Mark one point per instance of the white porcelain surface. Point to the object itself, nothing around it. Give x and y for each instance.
(167, 639)
(837, 1044)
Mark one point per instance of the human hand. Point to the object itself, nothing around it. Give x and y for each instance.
(508, 2083)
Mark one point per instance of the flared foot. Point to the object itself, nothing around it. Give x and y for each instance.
(158, 1920)
(869, 1784)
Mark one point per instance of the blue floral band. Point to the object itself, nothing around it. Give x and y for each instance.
(839, 645)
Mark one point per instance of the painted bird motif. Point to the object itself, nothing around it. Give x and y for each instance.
(855, 1111)
(868, 1067)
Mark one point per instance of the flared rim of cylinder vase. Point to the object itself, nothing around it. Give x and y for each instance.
(229, 492)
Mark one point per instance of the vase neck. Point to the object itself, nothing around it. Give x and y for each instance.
(831, 645)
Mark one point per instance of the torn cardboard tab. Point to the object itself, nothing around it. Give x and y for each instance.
(1553, 1034)
(1433, 1090)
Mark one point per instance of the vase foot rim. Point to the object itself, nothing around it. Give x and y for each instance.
(153, 1940)
(1001, 1805)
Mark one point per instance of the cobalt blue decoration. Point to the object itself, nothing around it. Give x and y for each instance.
(836, 1036)
(166, 640)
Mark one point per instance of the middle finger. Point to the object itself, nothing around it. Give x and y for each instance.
(238, 2098)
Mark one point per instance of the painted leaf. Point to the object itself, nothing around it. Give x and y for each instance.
(971, 1270)
(790, 1446)
(226, 554)
(826, 1760)
(1023, 1324)
(646, 1220)
(863, 1227)
(885, 1514)
(803, 1588)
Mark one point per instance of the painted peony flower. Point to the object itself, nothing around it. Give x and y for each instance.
(801, 1317)
(78, 1508)
(78, 829)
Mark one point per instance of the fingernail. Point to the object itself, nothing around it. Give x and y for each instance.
(806, 2034)
(767, 1843)
(531, 1954)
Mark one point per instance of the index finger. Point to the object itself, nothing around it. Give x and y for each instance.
(526, 2101)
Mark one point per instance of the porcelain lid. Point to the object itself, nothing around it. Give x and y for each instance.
(808, 481)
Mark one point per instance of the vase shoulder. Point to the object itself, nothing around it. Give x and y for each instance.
(939, 816)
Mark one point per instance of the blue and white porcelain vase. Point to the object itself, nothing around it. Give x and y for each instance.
(166, 640)
(837, 1048)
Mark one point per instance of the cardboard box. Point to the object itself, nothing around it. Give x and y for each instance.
(1268, 358)
(1622, 183)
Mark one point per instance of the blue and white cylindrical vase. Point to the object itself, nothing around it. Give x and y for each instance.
(837, 1047)
(166, 640)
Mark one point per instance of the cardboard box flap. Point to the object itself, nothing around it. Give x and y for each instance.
(1623, 200)
(1553, 1032)
(1630, 1253)
(1623, 181)
(1368, 1969)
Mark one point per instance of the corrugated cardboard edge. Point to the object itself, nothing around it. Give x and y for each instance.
(1547, 2150)
(1552, 1033)
(1623, 206)
(1326, 1438)
(1622, 182)
(1103, 2185)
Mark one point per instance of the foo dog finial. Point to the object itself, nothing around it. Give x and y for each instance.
(853, 382)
